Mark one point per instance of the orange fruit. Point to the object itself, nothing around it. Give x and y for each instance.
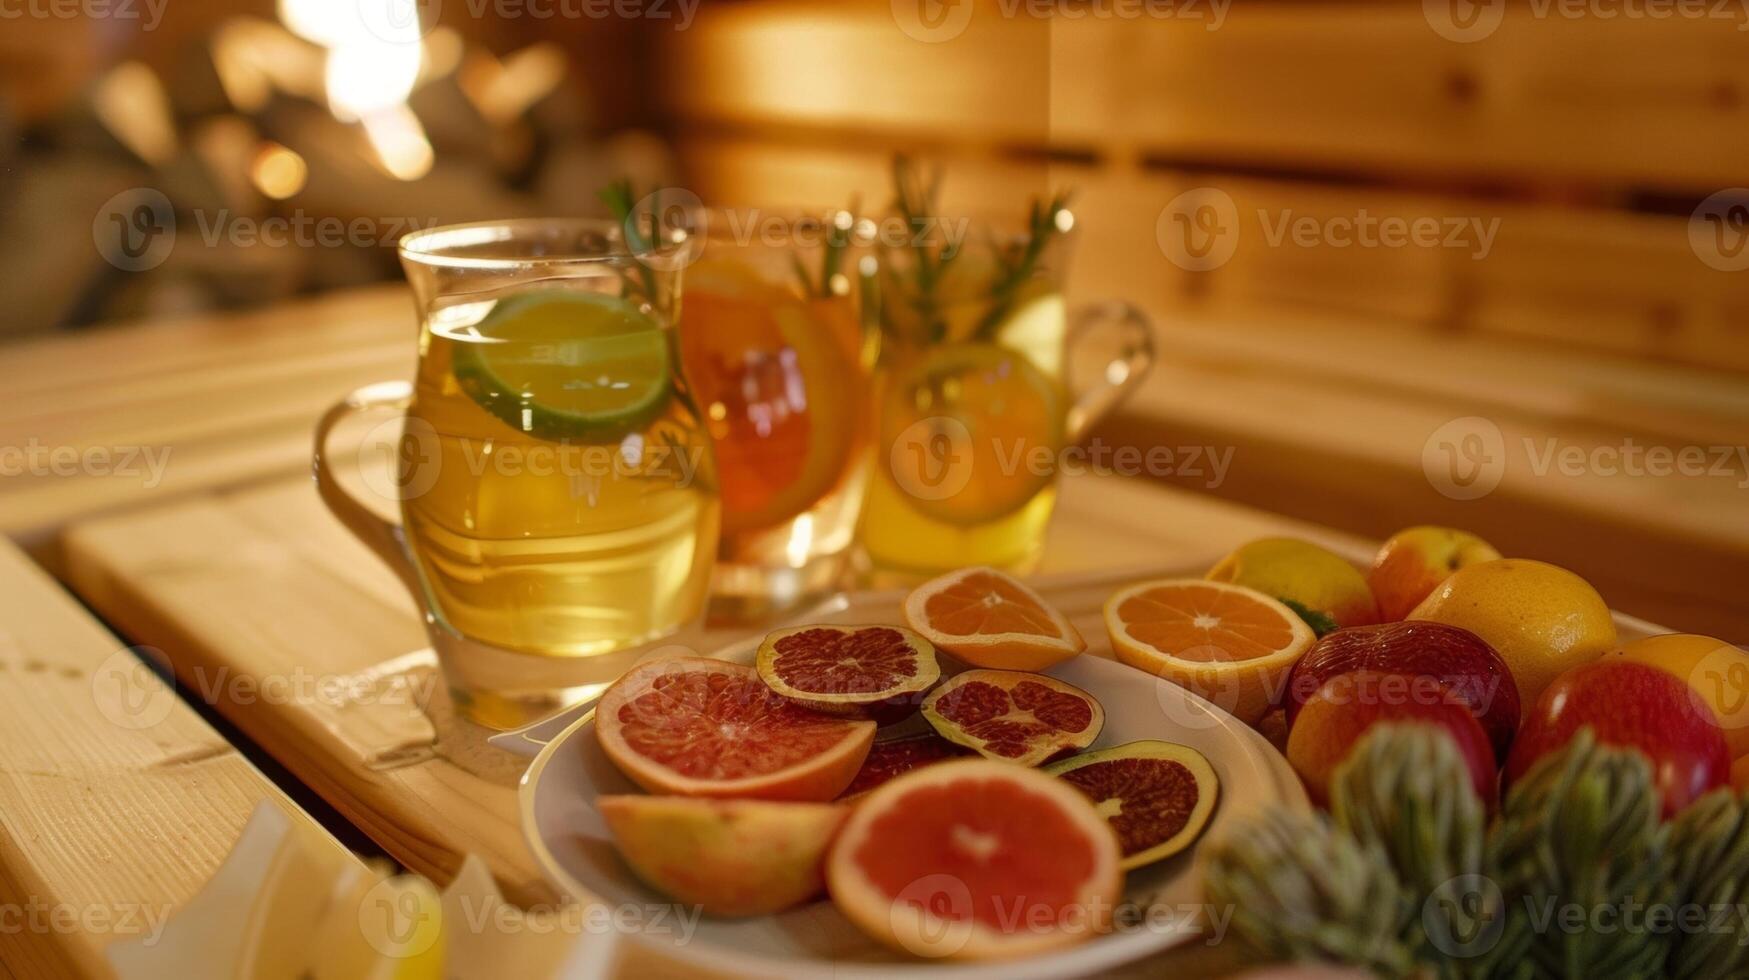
(781, 386)
(696, 727)
(989, 619)
(1227, 643)
(970, 432)
(975, 859)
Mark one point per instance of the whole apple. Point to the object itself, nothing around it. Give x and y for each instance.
(1342, 710)
(1630, 705)
(1413, 562)
(1452, 655)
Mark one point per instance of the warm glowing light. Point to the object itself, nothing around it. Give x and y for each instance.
(278, 171)
(399, 142)
(374, 51)
(503, 90)
(132, 105)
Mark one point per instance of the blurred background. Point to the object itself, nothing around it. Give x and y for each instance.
(1373, 235)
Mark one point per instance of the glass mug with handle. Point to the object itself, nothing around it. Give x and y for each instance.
(554, 479)
(976, 399)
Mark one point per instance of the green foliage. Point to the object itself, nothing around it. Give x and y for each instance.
(1581, 835)
(1709, 861)
(1301, 889)
(1320, 622)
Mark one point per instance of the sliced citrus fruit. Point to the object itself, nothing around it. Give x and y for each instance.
(1232, 645)
(1013, 715)
(731, 858)
(1157, 796)
(973, 859)
(989, 619)
(697, 727)
(849, 670)
(893, 757)
(565, 364)
(780, 385)
(970, 432)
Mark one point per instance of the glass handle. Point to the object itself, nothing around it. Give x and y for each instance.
(381, 536)
(1122, 373)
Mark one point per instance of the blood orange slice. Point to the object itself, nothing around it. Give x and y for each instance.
(894, 757)
(989, 619)
(696, 727)
(1227, 643)
(849, 670)
(973, 859)
(1014, 716)
(1157, 796)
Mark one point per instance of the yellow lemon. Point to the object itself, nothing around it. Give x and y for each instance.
(1717, 671)
(1540, 618)
(1323, 586)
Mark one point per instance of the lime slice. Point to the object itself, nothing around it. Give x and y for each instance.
(559, 364)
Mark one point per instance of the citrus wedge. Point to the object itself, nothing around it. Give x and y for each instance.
(696, 727)
(564, 364)
(1232, 645)
(989, 619)
(861, 671)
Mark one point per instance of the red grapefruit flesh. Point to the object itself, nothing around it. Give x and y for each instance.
(896, 756)
(973, 859)
(694, 727)
(732, 858)
(863, 671)
(1157, 796)
(1013, 715)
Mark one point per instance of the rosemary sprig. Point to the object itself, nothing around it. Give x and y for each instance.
(1020, 261)
(620, 198)
(837, 242)
(914, 198)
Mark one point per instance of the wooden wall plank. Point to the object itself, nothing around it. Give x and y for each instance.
(1368, 88)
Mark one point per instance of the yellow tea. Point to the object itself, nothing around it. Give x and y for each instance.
(558, 484)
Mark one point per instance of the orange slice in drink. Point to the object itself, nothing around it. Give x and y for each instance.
(989, 619)
(1232, 645)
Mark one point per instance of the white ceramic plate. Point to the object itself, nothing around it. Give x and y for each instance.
(572, 846)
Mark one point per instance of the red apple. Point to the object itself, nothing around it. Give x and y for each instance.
(1416, 560)
(1452, 655)
(1347, 705)
(1630, 705)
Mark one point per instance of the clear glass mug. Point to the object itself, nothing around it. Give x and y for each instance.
(774, 343)
(554, 479)
(976, 396)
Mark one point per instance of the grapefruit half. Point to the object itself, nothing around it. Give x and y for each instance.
(974, 859)
(689, 726)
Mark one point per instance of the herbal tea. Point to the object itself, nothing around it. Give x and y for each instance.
(559, 487)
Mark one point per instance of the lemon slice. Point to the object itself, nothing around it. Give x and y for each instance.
(559, 364)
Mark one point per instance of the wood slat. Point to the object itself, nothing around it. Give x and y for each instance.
(116, 801)
(216, 401)
(1364, 88)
